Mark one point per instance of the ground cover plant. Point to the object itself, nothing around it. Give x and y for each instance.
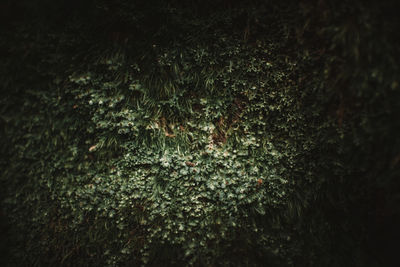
(199, 134)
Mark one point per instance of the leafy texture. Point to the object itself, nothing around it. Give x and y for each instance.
(157, 135)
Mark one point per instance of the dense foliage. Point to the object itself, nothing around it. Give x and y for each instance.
(189, 134)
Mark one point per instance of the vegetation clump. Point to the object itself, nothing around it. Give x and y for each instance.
(178, 134)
